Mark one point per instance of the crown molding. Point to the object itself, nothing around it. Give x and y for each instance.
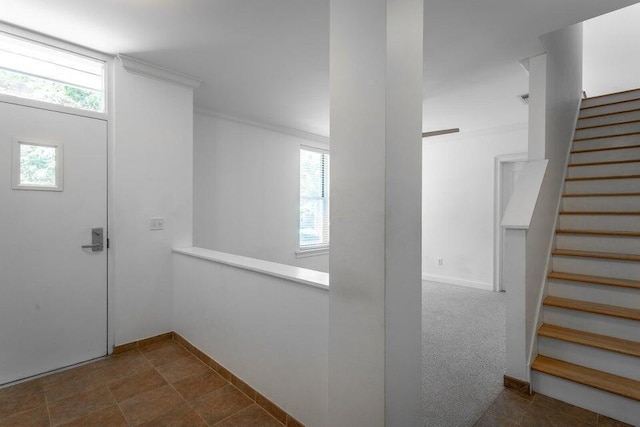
(274, 128)
(136, 66)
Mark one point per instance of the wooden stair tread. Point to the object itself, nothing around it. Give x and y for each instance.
(613, 162)
(599, 233)
(613, 93)
(632, 110)
(608, 125)
(602, 255)
(593, 150)
(604, 342)
(599, 212)
(613, 135)
(588, 107)
(602, 178)
(593, 307)
(600, 194)
(598, 280)
(615, 384)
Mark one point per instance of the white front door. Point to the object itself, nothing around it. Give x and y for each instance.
(53, 293)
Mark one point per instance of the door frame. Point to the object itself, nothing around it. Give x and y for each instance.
(499, 161)
(107, 116)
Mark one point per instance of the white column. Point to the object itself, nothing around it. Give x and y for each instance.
(537, 106)
(375, 296)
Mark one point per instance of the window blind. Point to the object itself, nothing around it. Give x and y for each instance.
(314, 198)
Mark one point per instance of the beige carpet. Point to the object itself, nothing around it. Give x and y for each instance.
(463, 353)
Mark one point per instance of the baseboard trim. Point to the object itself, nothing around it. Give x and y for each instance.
(458, 281)
(141, 343)
(516, 384)
(273, 409)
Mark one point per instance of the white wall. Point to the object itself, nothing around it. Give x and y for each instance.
(537, 107)
(611, 52)
(270, 332)
(458, 203)
(247, 191)
(153, 177)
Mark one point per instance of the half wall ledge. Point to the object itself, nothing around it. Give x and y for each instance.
(304, 276)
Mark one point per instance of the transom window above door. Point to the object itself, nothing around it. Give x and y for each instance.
(40, 72)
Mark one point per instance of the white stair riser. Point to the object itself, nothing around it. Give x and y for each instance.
(584, 242)
(615, 169)
(597, 267)
(609, 119)
(602, 402)
(599, 222)
(617, 129)
(615, 141)
(606, 204)
(607, 109)
(590, 357)
(605, 156)
(608, 186)
(598, 324)
(603, 294)
(613, 97)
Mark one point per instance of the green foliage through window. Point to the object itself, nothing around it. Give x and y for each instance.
(30, 87)
(37, 165)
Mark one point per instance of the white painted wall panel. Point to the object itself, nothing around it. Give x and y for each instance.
(271, 333)
(458, 203)
(153, 168)
(247, 191)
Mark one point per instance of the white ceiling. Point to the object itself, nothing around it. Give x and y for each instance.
(268, 61)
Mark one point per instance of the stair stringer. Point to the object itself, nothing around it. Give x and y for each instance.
(539, 317)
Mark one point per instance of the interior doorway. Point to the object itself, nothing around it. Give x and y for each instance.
(507, 170)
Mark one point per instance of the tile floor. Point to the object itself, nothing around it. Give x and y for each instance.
(158, 385)
(512, 408)
(164, 385)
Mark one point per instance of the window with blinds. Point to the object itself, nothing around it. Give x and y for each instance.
(314, 198)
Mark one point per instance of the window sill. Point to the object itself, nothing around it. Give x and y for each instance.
(304, 253)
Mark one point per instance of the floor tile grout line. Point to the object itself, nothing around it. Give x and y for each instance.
(244, 409)
(232, 415)
(213, 370)
(253, 400)
(46, 405)
(29, 409)
(155, 368)
(116, 400)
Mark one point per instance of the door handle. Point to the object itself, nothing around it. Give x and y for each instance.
(95, 247)
(97, 240)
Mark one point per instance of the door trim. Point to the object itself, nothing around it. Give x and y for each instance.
(111, 197)
(497, 203)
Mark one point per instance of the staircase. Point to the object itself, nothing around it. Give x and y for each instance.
(589, 343)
